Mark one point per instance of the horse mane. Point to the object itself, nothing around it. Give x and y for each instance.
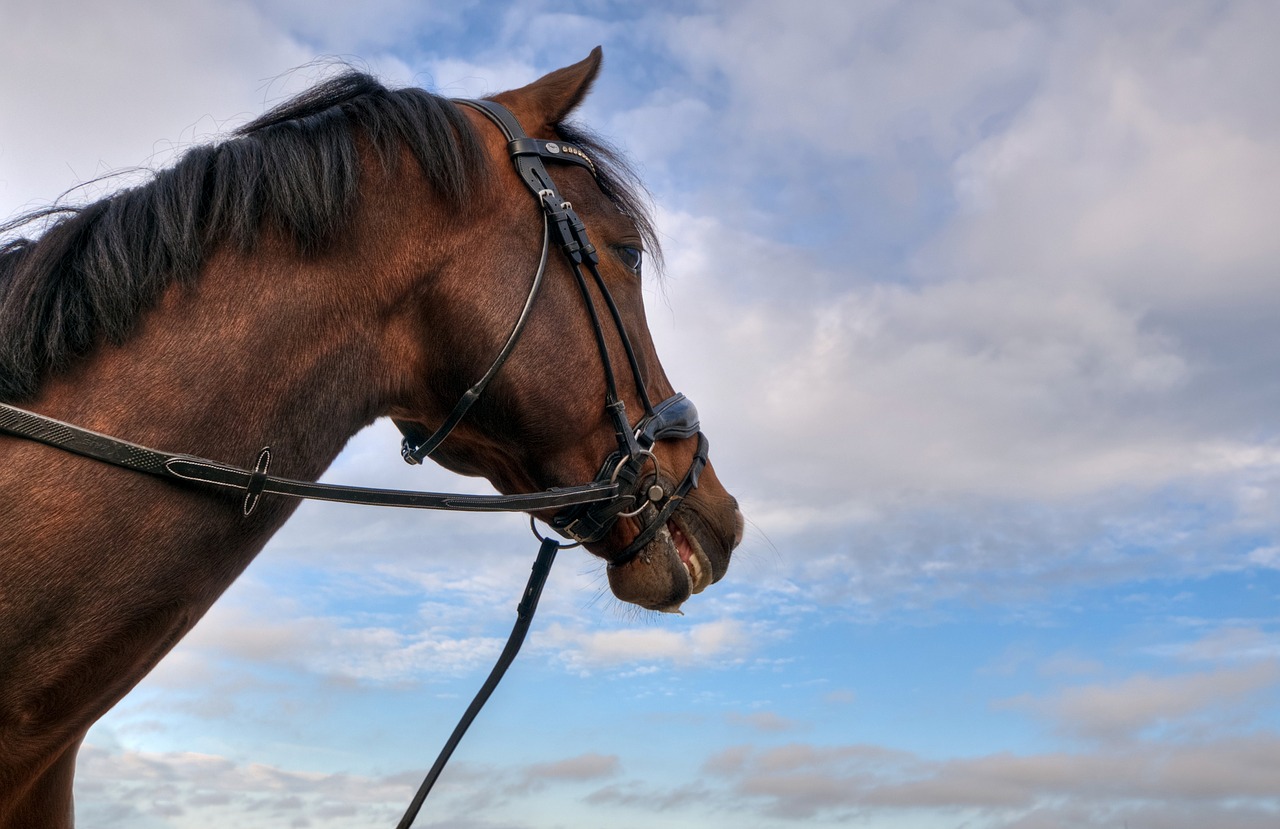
(96, 269)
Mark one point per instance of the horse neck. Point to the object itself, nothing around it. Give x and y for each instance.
(268, 348)
(265, 348)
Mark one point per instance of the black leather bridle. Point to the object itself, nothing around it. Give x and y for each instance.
(586, 513)
(674, 417)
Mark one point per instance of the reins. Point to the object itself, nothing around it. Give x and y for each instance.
(524, 616)
(585, 513)
(256, 482)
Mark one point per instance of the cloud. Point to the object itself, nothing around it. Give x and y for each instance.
(853, 77)
(1226, 782)
(175, 75)
(645, 800)
(582, 767)
(179, 790)
(841, 696)
(1140, 703)
(1228, 643)
(119, 788)
(725, 640)
(329, 647)
(771, 722)
(1064, 369)
(473, 80)
(365, 29)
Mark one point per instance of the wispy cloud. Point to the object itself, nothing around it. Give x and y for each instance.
(801, 781)
(181, 789)
(1139, 703)
(768, 721)
(716, 642)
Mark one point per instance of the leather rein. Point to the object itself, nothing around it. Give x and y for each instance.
(587, 512)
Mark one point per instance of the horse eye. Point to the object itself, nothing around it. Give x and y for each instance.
(631, 257)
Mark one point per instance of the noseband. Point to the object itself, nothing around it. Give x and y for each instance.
(674, 418)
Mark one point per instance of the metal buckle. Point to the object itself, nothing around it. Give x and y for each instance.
(534, 527)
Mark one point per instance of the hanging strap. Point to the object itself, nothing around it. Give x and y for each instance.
(524, 616)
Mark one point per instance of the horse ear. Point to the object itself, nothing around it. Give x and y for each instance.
(549, 100)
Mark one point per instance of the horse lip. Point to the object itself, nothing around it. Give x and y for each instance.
(662, 554)
(700, 571)
(703, 562)
(705, 540)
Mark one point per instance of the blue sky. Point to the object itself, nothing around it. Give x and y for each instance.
(978, 302)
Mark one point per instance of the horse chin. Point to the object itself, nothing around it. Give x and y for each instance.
(672, 567)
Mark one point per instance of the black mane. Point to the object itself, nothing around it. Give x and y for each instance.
(97, 268)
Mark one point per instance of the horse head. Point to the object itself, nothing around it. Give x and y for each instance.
(543, 421)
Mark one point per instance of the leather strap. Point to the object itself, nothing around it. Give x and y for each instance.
(417, 443)
(527, 154)
(24, 424)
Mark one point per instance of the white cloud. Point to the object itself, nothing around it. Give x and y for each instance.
(1223, 783)
(583, 767)
(706, 643)
(125, 85)
(366, 27)
(768, 721)
(1228, 782)
(1227, 642)
(853, 77)
(468, 79)
(1101, 181)
(1078, 342)
(282, 634)
(1027, 360)
(1142, 702)
(178, 790)
(941, 397)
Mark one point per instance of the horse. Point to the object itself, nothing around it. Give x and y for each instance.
(354, 253)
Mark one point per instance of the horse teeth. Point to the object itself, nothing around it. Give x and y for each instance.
(689, 556)
(695, 573)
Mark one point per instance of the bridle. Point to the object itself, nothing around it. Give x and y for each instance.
(674, 417)
(585, 513)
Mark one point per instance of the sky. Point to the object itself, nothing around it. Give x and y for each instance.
(976, 300)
